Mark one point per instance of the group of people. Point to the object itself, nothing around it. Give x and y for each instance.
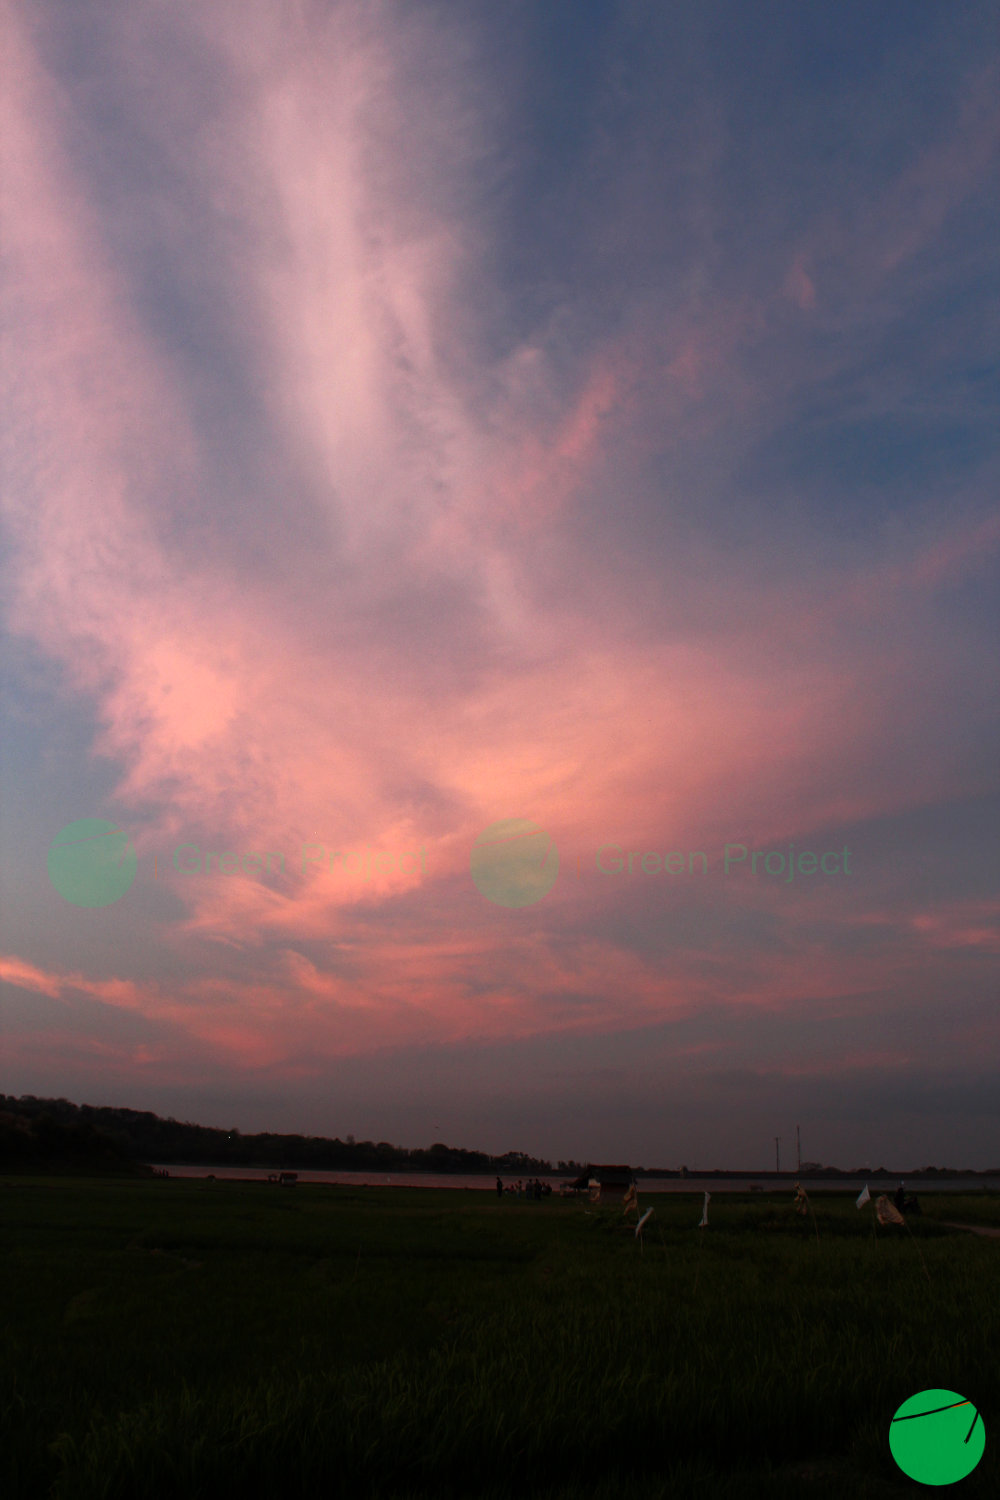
(531, 1189)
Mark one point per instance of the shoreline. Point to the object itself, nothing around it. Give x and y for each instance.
(651, 1183)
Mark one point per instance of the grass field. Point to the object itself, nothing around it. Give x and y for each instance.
(191, 1339)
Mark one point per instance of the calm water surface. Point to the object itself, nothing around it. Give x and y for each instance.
(646, 1184)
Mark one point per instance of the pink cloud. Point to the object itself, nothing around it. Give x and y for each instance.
(974, 925)
(273, 720)
(27, 976)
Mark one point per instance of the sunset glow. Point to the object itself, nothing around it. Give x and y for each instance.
(421, 417)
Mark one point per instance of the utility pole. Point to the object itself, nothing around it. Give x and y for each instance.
(777, 1155)
(798, 1146)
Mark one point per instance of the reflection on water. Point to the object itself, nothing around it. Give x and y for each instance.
(484, 1183)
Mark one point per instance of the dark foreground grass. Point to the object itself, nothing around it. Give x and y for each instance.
(187, 1339)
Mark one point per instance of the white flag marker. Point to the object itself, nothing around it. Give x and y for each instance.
(863, 1197)
(642, 1221)
(704, 1211)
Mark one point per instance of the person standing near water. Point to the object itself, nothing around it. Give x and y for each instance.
(499, 1188)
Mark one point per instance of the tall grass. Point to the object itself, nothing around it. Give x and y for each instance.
(181, 1339)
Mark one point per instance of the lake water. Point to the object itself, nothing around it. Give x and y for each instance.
(487, 1184)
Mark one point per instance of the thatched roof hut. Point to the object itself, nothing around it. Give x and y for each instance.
(605, 1181)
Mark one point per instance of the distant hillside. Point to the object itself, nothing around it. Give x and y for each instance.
(53, 1134)
(140, 1136)
(43, 1143)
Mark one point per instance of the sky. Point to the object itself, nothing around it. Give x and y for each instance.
(420, 417)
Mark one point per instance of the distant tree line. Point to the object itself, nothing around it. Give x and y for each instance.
(45, 1140)
(56, 1135)
(140, 1136)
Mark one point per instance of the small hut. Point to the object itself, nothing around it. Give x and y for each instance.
(615, 1181)
(605, 1183)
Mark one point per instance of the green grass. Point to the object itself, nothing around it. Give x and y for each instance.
(186, 1339)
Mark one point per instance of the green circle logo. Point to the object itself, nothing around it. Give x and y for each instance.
(937, 1437)
(514, 863)
(91, 862)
